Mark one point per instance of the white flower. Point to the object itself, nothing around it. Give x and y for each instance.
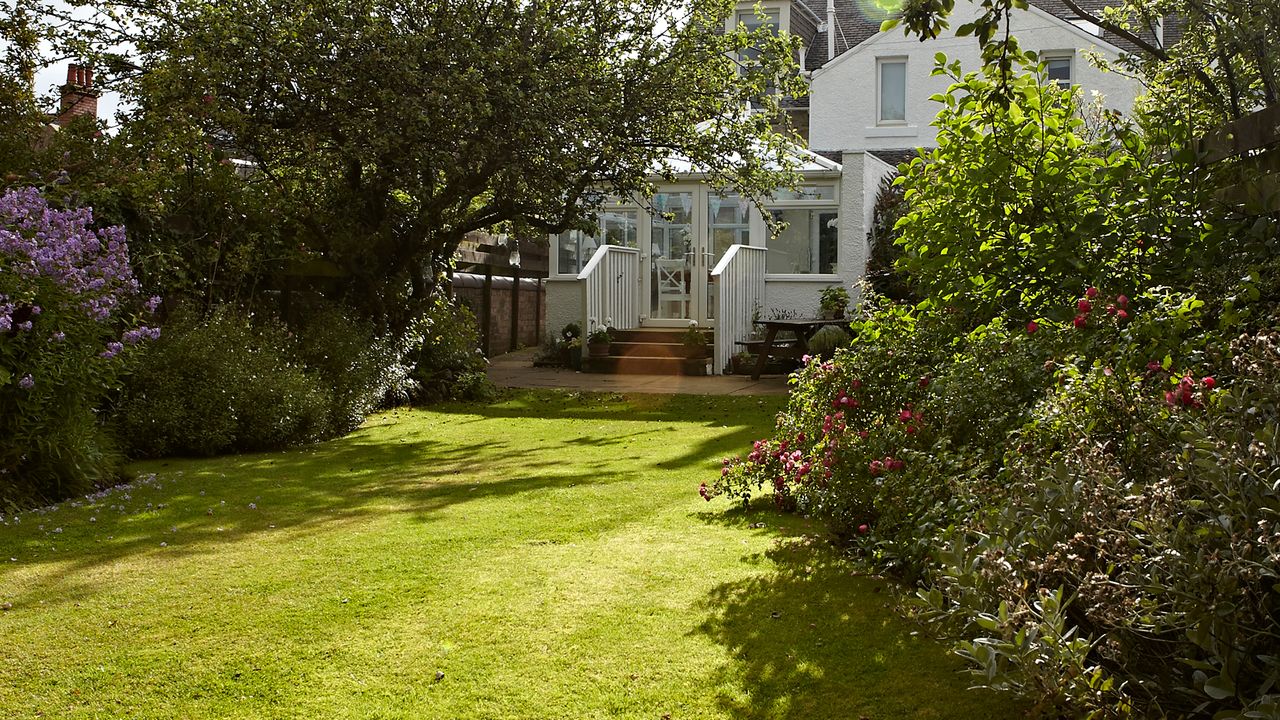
(693, 323)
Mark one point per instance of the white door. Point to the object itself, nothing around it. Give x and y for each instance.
(688, 235)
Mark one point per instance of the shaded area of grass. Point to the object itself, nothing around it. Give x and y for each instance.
(544, 556)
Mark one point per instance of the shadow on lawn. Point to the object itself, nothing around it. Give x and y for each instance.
(814, 638)
(386, 466)
(745, 418)
(307, 489)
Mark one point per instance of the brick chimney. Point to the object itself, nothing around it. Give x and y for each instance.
(79, 97)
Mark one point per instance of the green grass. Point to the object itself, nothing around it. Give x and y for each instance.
(548, 554)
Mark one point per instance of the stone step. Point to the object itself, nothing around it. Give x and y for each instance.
(642, 365)
(654, 335)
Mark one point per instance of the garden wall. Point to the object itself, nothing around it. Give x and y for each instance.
(514, 318)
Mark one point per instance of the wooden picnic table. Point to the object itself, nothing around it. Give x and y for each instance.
(804, 328)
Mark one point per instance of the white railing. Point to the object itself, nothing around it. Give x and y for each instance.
(610, 289)
(739, 279)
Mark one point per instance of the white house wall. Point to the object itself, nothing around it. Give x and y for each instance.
(564, 305)
(842, 102)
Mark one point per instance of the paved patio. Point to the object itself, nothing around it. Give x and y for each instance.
(516, 370)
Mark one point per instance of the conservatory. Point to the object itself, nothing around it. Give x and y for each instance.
(697, 253)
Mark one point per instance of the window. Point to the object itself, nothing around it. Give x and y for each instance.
(614, 226)
(752, 22)
(893, 90)
(809, 243)
(1059, 70)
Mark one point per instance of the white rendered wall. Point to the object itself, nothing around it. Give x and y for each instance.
(564, 305)
(842, 102)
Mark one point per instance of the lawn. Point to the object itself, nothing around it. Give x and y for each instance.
(546, 556)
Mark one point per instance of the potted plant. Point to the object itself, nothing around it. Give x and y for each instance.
(598, 342)
(835, 300)
(695, 343)
(743, 363)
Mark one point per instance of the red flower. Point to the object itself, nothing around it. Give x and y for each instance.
(704, 492)
(863, 434)
(1209, 383)
(1122, 301)
(905, 416)
(1122, 314)
(1032, 327)
(1084, 306)
(924, 381)
(1080, 321)
(1091, 293)
(856, 384)
(876, 467)
(862, 529)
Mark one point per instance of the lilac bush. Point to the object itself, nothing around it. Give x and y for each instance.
(69, 311)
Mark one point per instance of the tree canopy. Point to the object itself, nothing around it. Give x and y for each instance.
(382, 132)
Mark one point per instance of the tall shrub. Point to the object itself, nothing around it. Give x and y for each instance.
(69, 313)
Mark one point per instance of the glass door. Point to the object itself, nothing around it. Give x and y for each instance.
(690, 229)
(672, 258)
(728, 223)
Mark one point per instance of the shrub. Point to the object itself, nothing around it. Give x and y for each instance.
(66, 295)
(1079, 503)
(824, 342)
(445, 355)
(357, 368)
(221, 384)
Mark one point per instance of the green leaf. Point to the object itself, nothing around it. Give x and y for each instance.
(1220, 687)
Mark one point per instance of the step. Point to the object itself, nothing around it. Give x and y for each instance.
(654, 335)
(641, 365)
(647, 349)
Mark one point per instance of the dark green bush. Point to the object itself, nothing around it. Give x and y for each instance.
(222, 384)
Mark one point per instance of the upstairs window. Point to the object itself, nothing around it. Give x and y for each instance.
(892, 90)
(752, 22)
(1059, 70)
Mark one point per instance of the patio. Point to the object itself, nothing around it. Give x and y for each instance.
(516, 370)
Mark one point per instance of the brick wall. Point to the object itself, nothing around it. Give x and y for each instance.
(469, 290)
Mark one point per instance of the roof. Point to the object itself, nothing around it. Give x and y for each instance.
(859, 20)
(896, 157)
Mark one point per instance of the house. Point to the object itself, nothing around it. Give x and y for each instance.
(705, 256)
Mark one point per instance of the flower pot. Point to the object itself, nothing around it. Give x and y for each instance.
(598, 349)
(695, 352)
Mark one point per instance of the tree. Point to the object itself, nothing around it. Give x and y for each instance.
(383, 131)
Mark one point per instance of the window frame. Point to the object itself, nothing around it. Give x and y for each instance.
(1069, 56)
(879, 80)
(819, 205)
(611, 205)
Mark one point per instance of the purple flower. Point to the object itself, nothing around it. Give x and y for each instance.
(27, 382)
(58, 336)
(24, 326)
(113, 349)
(153, 303)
